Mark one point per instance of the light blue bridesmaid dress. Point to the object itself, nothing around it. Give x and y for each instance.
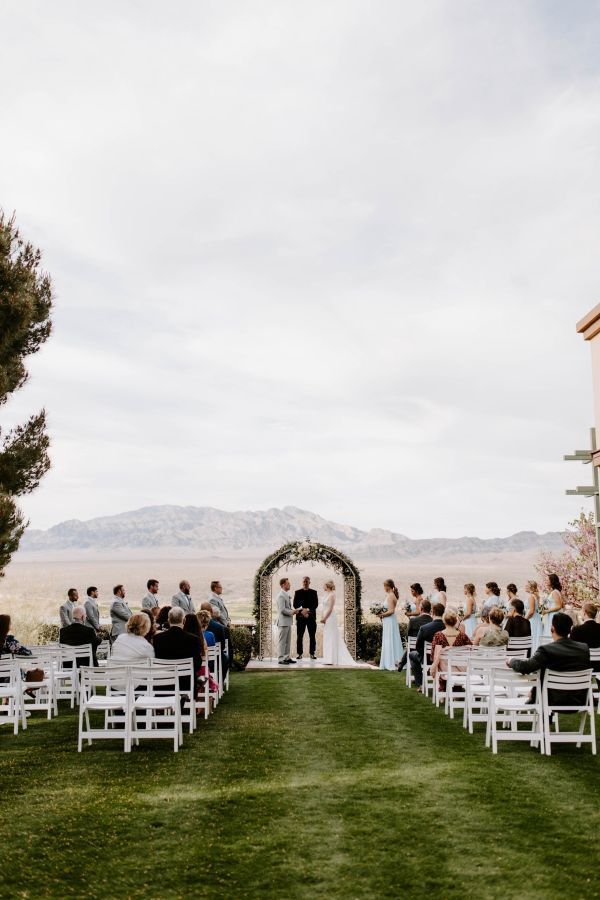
(470, 622)
(391, 644)
(548, 618)
(536, 625)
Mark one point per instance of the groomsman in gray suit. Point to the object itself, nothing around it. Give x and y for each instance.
(151, 601)
(119, 612)
(285, 615)
(182, 598)
(92, 611)
(66, 610)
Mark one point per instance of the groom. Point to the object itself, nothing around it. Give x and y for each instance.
(306, 601)
(285, 614)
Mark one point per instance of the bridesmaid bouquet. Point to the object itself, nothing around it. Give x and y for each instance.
(543, 606)
(408, 607)
(461, 611)
(377, 608)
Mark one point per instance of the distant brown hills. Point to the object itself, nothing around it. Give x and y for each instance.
(205, 531)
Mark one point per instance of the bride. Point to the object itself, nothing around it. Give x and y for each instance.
(335, 652)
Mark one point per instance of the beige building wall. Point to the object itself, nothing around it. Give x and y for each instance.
(589, 327)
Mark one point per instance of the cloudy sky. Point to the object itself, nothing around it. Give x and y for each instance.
(327, 254)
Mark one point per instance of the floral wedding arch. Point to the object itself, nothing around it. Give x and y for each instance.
(293, 554)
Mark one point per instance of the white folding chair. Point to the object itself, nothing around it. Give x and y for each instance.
(156, 698)
(12, 710)
(456, 678)
(114, 703)
(566, 683)
(595, 660)
(185, 670)
(41, 695)
(427, 683)
(213, 654)
(411, 644)
(509, 707)
(520, 644)
(477, 685)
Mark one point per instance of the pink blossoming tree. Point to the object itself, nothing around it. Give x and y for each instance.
(577, 567)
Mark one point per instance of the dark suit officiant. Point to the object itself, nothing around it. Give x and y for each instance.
(306, 599)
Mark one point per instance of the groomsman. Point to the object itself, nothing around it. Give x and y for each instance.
(119, 612)
(183, 599)
(151, 601)
(66, 610)
(92, 610)
(217, 603)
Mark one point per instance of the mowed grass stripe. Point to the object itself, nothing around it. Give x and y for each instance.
(304, 784)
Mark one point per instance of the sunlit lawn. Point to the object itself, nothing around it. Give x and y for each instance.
(303, 784)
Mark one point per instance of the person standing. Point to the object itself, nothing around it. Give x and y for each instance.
(335, 651)
(470, 620)
(532, 613)
(555, 603)
(151, 600)
(216, 601)
(183, 598)
(306, 601)
(92, 610)
(439, 594)
(119, 612)
(285, 614)
(391, 643)
(66, 610)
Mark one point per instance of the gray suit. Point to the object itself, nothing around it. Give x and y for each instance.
(66, 613)
(216, 602)
(285, 615)
(119, 615)
(92, 613)
(150, 601)
(184, 601)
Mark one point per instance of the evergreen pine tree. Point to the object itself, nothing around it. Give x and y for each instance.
(25, 307)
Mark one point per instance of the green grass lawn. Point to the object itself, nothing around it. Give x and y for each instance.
(303, 784)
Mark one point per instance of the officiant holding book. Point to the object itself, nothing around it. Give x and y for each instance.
(306, 601)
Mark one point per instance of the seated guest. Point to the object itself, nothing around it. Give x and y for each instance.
(562, 655)
(495, 636)
(177, 643)
(78, 634)
(162, 619)
(516, 624)
(191, 624)
(204, 620)
(65, 611)
(481, 628)
(152, 631)
(589, 632)
(415, 622)
(220, 633)
(8, 642)
(449, 636)
(425, 636)
(132, 646)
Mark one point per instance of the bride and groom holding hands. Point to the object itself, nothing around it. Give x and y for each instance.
(304, 607)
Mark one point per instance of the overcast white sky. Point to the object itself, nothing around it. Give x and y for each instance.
(328, 254)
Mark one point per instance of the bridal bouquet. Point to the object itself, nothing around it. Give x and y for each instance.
(377, 608)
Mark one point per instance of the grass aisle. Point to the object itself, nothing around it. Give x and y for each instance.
(307, 784)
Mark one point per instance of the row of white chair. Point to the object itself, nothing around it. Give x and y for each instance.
(512, 706)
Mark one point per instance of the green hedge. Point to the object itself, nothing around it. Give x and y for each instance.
(241, 646)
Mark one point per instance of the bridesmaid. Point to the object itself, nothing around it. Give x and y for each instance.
(555, 601)
(470, 619)
(439, 594)
(532, 612)
(391, 644)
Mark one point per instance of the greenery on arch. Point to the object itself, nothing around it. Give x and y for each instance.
(298, 552)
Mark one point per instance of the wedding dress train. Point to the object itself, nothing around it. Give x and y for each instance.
(335, 652)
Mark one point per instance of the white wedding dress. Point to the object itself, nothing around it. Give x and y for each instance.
(335, 652)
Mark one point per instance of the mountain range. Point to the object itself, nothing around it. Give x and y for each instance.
(205, 531)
